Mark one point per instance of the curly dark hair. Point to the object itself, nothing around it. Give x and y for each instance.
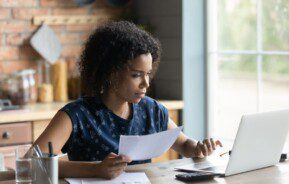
(108, 51)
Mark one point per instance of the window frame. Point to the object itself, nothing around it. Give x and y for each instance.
(213, 53)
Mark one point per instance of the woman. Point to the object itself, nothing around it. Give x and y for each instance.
(116, 66)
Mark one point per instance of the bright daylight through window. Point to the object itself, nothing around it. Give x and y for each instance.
(248, 66)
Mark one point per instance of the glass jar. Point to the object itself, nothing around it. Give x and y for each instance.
(32, 85)
(22, 96)
(5, 87)
(19, 87)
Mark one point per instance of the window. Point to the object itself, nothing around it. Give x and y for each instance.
(248, 61)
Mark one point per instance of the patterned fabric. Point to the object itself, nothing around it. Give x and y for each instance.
(96, 129)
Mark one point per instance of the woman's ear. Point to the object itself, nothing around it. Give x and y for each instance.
(113, 81)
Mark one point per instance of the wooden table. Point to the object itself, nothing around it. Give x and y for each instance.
(164, 173)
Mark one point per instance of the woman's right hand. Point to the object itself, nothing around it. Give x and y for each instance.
(113, 165)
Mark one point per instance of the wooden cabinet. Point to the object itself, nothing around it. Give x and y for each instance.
(8, 155)
(13, 135)
(16, 133)
(38, 127)
(170, 154)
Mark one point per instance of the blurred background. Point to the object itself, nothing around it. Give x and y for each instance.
(221, 59)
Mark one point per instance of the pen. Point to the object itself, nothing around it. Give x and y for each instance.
(50, 148)
(228, 152)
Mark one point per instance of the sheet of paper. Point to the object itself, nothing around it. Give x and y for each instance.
(124, 178)
(147, 146)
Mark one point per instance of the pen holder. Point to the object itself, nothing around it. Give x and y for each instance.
(46, 169)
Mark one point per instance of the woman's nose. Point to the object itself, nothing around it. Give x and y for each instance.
(145, 82)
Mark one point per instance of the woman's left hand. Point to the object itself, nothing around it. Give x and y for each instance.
(206, 147)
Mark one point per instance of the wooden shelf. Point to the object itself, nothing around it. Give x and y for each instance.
(69, 20)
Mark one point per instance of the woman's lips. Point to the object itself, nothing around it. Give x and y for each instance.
(140, 95)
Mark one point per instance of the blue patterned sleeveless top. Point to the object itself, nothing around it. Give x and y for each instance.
(96, 129)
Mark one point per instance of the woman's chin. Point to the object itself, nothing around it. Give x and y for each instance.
(136, 100)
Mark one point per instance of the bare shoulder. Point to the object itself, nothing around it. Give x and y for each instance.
(62, 118)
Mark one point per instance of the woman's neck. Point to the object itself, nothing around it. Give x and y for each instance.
(116, 105)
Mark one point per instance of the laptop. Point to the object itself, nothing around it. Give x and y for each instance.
(258, 144)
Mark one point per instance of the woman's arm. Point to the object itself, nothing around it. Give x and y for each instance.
(190, 147)
(58, 132)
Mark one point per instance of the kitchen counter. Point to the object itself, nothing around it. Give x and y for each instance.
(45, 111)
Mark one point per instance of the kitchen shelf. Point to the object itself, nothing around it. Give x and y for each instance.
(69, 20)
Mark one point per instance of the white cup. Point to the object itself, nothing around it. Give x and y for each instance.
(46, 169)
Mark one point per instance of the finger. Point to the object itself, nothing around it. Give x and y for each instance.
(118, 166)
(113, 155)
(203, 149)
(219, 143)
(213, 144)
(123, 158)
(126, 158)
(198, 150)
(119, 160)
(208, 145)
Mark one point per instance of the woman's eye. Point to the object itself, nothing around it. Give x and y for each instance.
(150, 75)
(135, 75)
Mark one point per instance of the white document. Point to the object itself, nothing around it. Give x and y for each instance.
(147, 146)
(124, 178)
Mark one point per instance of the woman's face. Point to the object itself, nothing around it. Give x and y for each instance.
(134, 81)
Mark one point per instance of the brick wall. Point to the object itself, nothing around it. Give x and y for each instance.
(16, 29)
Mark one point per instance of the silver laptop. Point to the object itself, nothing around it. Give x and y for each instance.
(258, 143)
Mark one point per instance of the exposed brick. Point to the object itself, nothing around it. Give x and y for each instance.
(69, 38)
(9, 53)
(57, 3)
(55, 28)
(28, 13)
(8, 67)
(71, 65)
(16, 29)
(110, 12)
(14, 26)
(17, 39)
(26, 52)
(71, 51)
(5, 13)
(18, 3)
(81, 28)
(84, 36)
(69, 11)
